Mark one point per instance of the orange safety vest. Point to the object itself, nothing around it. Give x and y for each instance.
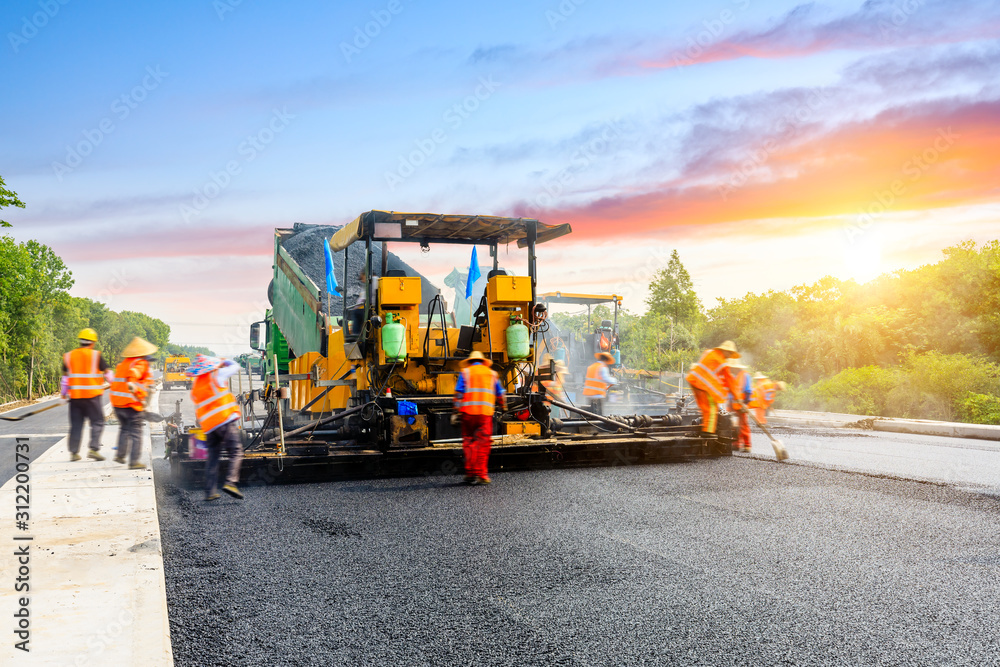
(763, 394)
(712, 374)
(738, 396)
(553, 389)
(593, 385)
(479, 397)
(130, 370)
(213, 405)
(85, 377)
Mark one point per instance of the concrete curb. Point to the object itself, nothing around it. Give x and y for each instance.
(97, 590)
(886, 424)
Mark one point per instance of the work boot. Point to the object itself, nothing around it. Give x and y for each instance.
(74, 457)
(485, 480)
(469, 479)
(136, 466)
(233, 491)
(214, 496)
(94, 454)
(119, 459)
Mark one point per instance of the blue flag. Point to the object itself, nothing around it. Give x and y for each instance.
(331, 280)
(474, 273)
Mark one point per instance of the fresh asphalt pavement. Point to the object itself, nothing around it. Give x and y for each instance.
(731, 561)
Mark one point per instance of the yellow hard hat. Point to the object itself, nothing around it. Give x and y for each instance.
(87, 334)
(605, 357)
(729, 346)
(476, 356)
(139, 348)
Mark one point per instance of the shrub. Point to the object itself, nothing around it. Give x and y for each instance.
(979, 408)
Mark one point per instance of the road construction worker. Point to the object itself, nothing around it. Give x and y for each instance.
(765, 391)
(130, 391)
(554, 388)
(477, 393)
(216, 411)
(85, 377)
(711, 380)
(598, 381)
(744, 384)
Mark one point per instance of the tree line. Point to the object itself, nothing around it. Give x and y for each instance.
(915, 343)
(40, 320)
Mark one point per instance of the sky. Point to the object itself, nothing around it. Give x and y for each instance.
(158, 145)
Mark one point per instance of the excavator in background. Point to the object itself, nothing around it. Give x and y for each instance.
(368, 390)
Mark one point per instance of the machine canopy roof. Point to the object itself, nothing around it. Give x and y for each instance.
(437, 228)
(581, 299)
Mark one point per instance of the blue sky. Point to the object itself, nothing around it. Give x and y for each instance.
(752, 136)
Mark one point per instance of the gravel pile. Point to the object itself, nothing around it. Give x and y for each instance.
(306, 247)
(720, 562)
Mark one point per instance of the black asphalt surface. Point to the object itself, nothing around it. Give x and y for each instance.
(735, 561)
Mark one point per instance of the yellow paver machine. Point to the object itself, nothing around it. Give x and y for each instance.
(366, 388)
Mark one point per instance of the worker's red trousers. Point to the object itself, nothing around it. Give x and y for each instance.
(476, 432)
(744, 437)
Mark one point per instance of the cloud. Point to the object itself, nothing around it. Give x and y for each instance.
(935, 155)
(808, 29)
(492, 54)
(164, 241)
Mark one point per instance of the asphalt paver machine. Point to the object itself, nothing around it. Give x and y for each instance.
(368, 390)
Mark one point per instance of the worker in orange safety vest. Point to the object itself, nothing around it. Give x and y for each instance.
(554, 388)
(85, 377)
(745, 386)
(712, 381)
(765, 391)
(216, 410)
(598, 381)
(477, 393)
(130, 391)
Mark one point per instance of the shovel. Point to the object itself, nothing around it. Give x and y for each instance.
(780, 452)
(33, 412)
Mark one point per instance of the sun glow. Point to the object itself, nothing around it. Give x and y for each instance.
(863, 258)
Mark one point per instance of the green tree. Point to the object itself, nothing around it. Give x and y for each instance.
(672, 295)
(8, 198)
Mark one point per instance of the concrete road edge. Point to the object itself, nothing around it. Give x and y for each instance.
(887, 424)
(97, 591)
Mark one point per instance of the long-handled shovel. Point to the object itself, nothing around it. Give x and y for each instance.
(33, 412)
(780, 452)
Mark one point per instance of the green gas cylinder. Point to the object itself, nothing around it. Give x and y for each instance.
(393, 338)
(518, 346)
